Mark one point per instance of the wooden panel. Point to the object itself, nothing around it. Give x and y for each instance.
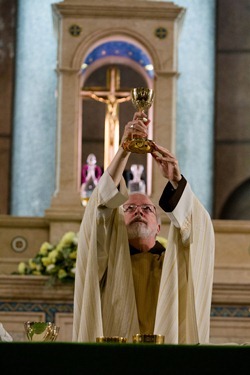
(230, 330)
(65, 322)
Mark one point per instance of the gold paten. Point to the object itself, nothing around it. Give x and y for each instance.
(138, 145)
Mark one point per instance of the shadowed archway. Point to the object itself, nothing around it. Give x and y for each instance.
(237, 206)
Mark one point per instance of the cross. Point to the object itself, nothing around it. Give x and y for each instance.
(112, 95)
(75, 30)
(161, 32)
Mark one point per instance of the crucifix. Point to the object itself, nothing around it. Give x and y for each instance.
(112, 96)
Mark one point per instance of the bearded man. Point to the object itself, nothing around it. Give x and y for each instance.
(126, 281)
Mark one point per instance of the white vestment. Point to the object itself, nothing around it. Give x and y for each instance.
(184, 301)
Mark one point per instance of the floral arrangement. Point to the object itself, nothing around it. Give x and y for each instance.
(58, 261)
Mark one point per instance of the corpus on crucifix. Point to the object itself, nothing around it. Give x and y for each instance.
(112, 96)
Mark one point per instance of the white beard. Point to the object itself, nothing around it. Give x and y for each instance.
(139, 230)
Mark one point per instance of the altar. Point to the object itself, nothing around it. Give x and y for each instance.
(102, 359)
(25, 298)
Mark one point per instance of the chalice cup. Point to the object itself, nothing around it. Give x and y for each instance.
(142, 99)
(41, 331)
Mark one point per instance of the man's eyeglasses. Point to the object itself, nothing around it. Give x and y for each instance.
(146, 208)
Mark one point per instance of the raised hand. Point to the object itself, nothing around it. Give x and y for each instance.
(167, 163)
(137, 127)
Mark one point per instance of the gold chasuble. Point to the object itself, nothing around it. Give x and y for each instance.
(146, 268)
(104, 299)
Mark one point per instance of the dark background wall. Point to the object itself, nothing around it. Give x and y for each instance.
(8, 10)
(232, 107)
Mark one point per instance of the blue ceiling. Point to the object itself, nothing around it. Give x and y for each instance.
(120, 49)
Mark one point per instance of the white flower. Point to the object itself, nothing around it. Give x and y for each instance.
(50, 267)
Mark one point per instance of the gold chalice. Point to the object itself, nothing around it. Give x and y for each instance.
(41, 331)
(142, 99)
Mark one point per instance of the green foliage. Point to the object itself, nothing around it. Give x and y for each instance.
(57, 261)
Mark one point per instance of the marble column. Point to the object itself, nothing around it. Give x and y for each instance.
(195, 97)
(34, 122)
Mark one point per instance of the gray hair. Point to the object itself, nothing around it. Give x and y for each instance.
(157, 207)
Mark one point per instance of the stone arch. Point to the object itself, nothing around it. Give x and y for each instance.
(122, 61)
(123, 21)
(110, 60)
(97, 38)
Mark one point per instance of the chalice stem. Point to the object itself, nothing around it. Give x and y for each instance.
(142, 99)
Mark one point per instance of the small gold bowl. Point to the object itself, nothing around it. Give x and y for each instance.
(148, 338)
(41, 331)
(109, 339)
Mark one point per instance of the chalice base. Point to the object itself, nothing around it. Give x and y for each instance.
(138, 145)
(111, 339)
(148, 339)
